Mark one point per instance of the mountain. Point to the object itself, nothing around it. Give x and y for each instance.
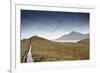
(74, 36)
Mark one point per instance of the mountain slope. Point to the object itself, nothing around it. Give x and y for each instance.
(85, 41)
(45, 50)
(25, 43)
(73, 36)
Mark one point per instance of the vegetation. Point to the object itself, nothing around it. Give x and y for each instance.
(46, 50)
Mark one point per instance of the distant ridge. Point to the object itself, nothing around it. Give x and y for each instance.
(73, 36)
(37, 37)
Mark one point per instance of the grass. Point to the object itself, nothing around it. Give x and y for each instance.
(45, 50)
(24, 48)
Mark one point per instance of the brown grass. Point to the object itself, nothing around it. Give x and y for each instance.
(45, 50)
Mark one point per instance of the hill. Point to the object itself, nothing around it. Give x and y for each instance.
(85, 41)
(47, 50)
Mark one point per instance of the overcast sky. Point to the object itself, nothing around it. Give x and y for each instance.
(51, 25)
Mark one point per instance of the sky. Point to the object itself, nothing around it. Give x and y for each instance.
(52, 24)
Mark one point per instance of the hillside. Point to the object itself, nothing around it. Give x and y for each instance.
(46, 50)
(85, 41)
(73, 36)
(24, 48)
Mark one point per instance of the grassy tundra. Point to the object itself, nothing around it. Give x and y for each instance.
(46, 50)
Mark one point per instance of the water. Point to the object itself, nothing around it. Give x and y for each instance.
(29, 56)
